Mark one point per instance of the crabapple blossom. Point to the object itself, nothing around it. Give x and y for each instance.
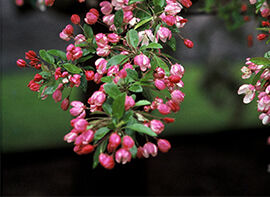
(75, 19)
(106, 7)
(106, 161)
(249, 91)
(128, 142)
(143, 61)
(122, 156)
(21, 63)
(129, 102)
(157, 126)
(163, 34)
(91, 16)
(149, 149)
(163, 145)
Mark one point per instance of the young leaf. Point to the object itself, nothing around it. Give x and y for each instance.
(58, 53)
(142, 103)
(100, 133)
(106, 79)
(118, 18)
(260, 60)
(160, 3)
(107, 108)
(134, 1)
(160, 63)
(132, 74)
(85, 58)
(136, 88)
(133, 38)
(117, 59)
(100, 149)
(152, 46)
(141, 23)
(142, 129)
(118, 106)
(172, 43)
(88, 31)
(46, 56)
(112, 90)
(72, 68)
(133, 151)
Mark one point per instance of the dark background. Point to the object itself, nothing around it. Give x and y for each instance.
(218, 144)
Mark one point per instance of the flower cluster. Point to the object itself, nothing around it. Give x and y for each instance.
(134, 78)
(261, 85)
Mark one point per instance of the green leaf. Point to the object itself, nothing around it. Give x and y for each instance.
(160, 3)
(134, 1)
(260, 60)
(133, 151)
(148, 75)
(85, 58)
(45, 74)
(117, 59)
(135, 88)
(128, 114)
(132, 74)
(72, 68)
(118, 106)
(100, 149)
(172, 43)
(118, 18)
(51, 89)
(257, 77)
(88, 31)
(58, 53)
(46, 56)
(107, 108)
(152, 46)
(133, 38)
(158, 62)
(267, 55)
(142, 103)
(83, 84)
(106, 79)
(100, 133)
(141, 23)
(142, 129)
(112, 90)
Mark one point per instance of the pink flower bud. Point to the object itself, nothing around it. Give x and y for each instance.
(75, 80)
(104, 52)
(86, 149)
(97, 78)
(75, 19)
(31, 55)
(64, 36)
(80, 125)
(34, 86)
(163, 109)
(128, 142)
(97, 98)
(186, 3)
(177, 69)
(173, 8)
(106, 161)
(101, 40)
(173, 105)
(70, 137)
(21, 63)
(85, 138)
(79, 39)
(65, 104)
(91, 16)
(19, 2)
(160, 84)
(37, 77)
(168, 120)
(169, 20)
(115, 140)
(89, 74)
(143, 61)
(159, 73)
(188, 43)
(127, 16)
(77, 53)
(139, 152)
(177, 96)
(163, 34)
(106, 7)
(122, 156)
(57, 95)
(113, 38)
(150, 149)
(49, 2)
(108, 20)
(156, 126)
(164, 145)
(68, 30)
(175, 78)
(77, 108)
(129, 102)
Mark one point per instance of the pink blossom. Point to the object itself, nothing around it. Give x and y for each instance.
(145, 36)
(150, 149)
(85, 138)
(127, 16)
(49, 2)
(177, 69)
(169, 20)
(108, 20)
(122, 156)
(113, 70)
(97, 78)
(73, 52)
(249, 91)
(91, 16)
(21, 63)
(114, 140)
(113, 38)
(164, 145)
(101, 66)
(65, 104)
(77, 108)
(101, 40)
(103, 52)
(80, 125)
(173, 105)
(265, 117)
(160, 84)
(129, 102)
(164, 109)
(98, 98)
(163, 34)
(128, 142)
(159, 73)
(252, 1)
(106, 7)
(177, 96)
(89, 75)
(143, 61)
(180, 21)
(75, 19)
(70, 137)
(157, 126)
(106, 161)
(80, 38)
(75, 80)
(173, 8)
(57, 95)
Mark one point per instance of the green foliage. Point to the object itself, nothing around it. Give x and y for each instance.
(142, 129)
(133, 38)
(100, 149)
(135, 88)
(117, 59)
(58, 53)
(46, 56)
(88, 31)
(260, 60)
(118, 106)
(134, 1)
(72, 68)
(100, 133)
(152, 46)
(112, 90)
(158, 62)
(142, 103)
